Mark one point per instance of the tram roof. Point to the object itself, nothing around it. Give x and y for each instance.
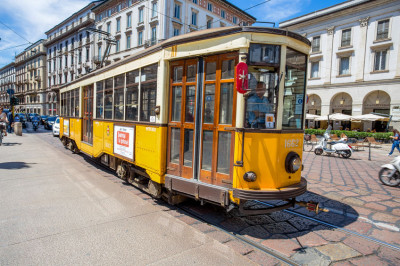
(191, 37)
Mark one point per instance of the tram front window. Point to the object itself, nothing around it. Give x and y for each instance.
(261, 100)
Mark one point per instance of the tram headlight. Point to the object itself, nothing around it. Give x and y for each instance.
(292, 162)
(250, 176)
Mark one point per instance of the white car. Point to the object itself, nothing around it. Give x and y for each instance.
(56, 127)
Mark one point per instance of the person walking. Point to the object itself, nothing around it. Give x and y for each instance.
(10, 121)
(396, 141)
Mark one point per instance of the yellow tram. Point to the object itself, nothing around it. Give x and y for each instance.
(169, 119)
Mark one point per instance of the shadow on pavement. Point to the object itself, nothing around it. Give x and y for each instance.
(10, 143)
(15, 165)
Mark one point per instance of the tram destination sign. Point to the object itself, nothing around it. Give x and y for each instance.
(242, 81)
(124, 141)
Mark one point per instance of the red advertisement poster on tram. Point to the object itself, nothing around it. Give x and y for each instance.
(124, 141)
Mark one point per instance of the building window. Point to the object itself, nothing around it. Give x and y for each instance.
(117, 45)
(383, 29)
(154, 10)
(234, 20)
(153, 35)
(118, 24)
(66, 60)
(210, 7)
(99, 53)
(109, 27)
(223, 13)
(80, 56)
(141, 11)
(128, 41)
(209, 23)
(380, 60)
(314, 69)
(176, 32)
(194, 1)
(346, 37)
(129, 20)
(316, 44)
(344, 67)
(177, 11)
(87, 54)
(194, 18)
(140, 38)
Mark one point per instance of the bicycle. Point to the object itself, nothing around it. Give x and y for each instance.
(308, 145)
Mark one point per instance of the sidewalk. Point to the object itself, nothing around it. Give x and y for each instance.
(57, 209)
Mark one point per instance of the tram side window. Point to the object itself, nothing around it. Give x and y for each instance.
(295, 81)
(62, 104)
(108, 98)
(68, 103)
(119, 82)
(148, 93)
(132, 85)
(77, 102)
(73, 103)
(100, 99)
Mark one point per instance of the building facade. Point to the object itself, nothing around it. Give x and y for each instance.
(354, 65)
(7, 82)
(69, 53)
(137, 24)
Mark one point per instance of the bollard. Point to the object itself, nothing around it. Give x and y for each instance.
(369, 153)
(18, 128)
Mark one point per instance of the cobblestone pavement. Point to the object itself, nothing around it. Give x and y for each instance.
(364, 211)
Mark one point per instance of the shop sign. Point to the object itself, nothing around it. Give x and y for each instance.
(124, 141)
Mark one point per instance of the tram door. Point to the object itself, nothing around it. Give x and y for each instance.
(87, 134)
(215, 102)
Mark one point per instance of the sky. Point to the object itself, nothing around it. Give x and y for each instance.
(24, 21)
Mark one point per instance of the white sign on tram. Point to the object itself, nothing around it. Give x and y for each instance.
(124, 141)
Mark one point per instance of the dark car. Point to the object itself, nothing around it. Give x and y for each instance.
(49, 122)
(42, 119)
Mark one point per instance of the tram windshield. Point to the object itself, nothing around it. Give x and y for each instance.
(262, 98)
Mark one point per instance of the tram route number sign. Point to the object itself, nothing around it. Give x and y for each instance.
(242, 80)
(124, 138)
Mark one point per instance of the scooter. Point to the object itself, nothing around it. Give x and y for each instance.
(390, 173)
(35, 125)
(339, 147)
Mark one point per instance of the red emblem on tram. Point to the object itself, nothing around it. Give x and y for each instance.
(108, 131)
(242, 81)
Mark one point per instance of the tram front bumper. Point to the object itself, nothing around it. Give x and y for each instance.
(285, 193)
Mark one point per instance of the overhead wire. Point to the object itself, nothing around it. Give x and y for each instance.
(14, 32)
(14, 47)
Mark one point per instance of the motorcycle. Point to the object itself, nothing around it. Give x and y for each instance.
(390, 173)
(339, 147)
(35, 125)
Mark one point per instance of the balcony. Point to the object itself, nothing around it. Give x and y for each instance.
(38, 78)
(65, 70)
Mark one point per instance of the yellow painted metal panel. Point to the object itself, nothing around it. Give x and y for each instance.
(108, 133)
(265, 154)
(61, 127)
(98, 134)
(150, 150)
(78, 132)
(86, 148)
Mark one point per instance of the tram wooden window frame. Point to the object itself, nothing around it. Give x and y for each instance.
(121, 87)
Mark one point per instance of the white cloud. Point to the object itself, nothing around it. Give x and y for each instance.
(279, 10)
(31, 19)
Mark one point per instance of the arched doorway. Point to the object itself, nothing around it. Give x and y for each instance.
(376, 102)
(313, 107)
(342, 103)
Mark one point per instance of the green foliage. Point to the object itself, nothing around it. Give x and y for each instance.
(352, 134)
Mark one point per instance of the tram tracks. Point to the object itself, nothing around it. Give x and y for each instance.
(344, 230)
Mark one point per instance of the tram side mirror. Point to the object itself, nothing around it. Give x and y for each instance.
(157, 110)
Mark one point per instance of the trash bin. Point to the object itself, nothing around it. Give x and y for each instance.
(18, 128)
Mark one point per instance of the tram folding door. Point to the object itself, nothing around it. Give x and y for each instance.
(200, 145)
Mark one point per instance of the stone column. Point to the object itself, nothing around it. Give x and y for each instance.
(360, 49)
(329, 51)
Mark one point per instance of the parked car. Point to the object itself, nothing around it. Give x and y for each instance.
(56, 127)
(48, 123)
(42, 119)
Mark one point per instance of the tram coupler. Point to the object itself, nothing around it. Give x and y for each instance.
(311, 206)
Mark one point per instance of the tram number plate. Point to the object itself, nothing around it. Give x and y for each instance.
(292, 143)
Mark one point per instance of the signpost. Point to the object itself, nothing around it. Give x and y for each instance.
(242, 80)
